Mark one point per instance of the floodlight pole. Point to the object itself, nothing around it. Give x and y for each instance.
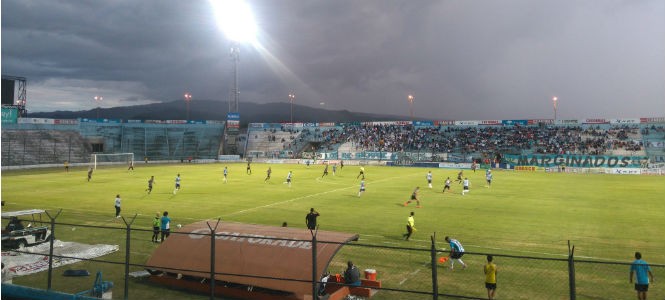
(234, 93)
(98, 99)
(410, 99)
(554, 100)
(188, 99)
(292, 97)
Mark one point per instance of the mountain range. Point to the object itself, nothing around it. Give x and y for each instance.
(217, 110)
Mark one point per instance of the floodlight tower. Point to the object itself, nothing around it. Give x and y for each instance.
(292, 97)
(554, 100)
(410, 99)
(98, 99)
(188, 99)
(235, 19)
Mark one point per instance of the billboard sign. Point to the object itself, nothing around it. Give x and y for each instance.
(9, 115)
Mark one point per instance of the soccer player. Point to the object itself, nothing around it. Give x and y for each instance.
(288, 178)
(177, 184)
(474, 166)
(151, 181)
(226, 174)
(307, 163)
(362, 188)
(249, 168)
(67, 166)
(131, 165)
(165, 222)
(268, 172)
(459, 176)
(362, 172)
(334, 169)
(488, 177)
(466, 185)
(490, 277)
(429, 179)
(410, 226)
(642, 273)
(310, 219)
(414, 196)
(325, 171)
(447, 186)
(155, 228)
(117, 206)
(456, 252)
(341, 165)
(89, 173)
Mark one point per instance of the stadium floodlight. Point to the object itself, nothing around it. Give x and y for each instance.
(554, 100)
(98, 99)
(292, 97)
(410, 99)
(235, 19)
(188, 98)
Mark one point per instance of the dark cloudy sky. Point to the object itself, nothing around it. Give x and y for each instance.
(464, 60)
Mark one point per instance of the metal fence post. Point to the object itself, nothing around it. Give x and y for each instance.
(50, 249)
(127, 252)
(212, 258)
(571, 271)
(435, 280)
(314, 275)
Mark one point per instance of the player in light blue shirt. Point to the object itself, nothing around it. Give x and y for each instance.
(643, 273)
(456, 252)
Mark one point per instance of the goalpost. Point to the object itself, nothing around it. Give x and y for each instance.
(111, 159)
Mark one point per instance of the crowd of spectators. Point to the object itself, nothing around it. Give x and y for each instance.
(514, 139)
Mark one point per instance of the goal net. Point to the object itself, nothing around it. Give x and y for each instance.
(102, 159)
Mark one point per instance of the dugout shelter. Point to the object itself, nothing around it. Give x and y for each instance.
(251, 261)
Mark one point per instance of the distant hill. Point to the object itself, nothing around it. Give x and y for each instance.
(217, 110)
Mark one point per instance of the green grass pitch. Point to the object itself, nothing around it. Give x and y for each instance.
(606, 217)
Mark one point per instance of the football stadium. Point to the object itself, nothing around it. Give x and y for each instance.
(561, 205)
(109, 191)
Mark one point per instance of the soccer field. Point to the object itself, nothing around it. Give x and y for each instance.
(606, 217)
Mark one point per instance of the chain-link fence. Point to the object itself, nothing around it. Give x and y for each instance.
(403, 272)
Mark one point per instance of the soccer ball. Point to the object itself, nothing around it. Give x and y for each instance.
(179, 225)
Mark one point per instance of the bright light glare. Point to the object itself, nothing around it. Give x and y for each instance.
(235, 19)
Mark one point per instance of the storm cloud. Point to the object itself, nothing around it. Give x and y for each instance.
(463, 60)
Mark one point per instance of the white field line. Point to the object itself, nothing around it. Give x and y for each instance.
(307, 196)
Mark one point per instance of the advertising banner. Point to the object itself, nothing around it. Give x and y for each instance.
(233, 120)
(9, 115)
(584, 161)
(623, 171)
(515, 122)
(490, 122)
(423, 123)
(567, 122)
(624, 121)
(444, 123)
(540, 121)
(595, 121)
(466, 123)
(36, 121)
(455, 165)
(652, 120)
(66, 121)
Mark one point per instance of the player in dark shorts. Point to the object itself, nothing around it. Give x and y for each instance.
(447, 186)
(459, 177)
(89, 173)
(268, 174)
(414, 197)
(151, 181)
(249, 168)
(325, 171)
(341, 164)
